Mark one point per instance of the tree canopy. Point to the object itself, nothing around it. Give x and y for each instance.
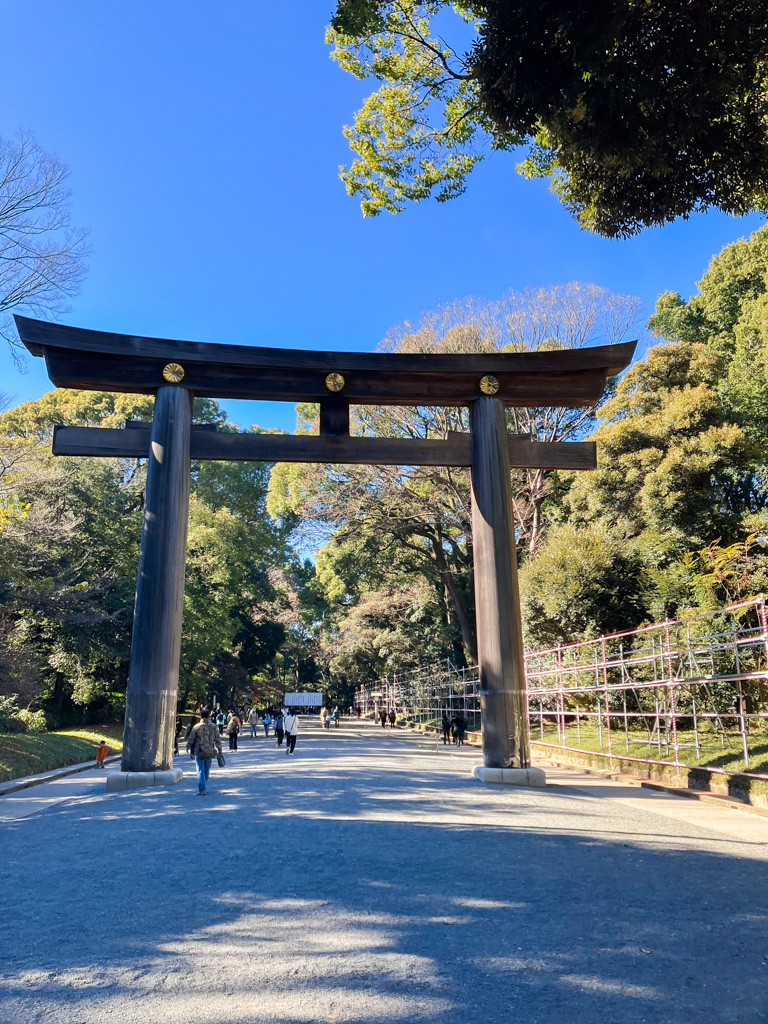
(69, 536)
(668, 521)
(640, 111)
(396, 574)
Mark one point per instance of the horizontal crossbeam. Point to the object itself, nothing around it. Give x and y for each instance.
(207, 444)
(96, 360)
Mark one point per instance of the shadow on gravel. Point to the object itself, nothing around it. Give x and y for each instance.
(343, 886)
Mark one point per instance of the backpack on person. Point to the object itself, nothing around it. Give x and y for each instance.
(205, 742)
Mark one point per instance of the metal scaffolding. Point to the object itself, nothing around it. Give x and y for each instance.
(688, 692)
(424, 695)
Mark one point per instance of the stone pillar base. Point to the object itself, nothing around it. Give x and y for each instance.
(140, 780)
(510, 776)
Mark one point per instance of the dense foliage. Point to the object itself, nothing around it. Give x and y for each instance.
(640, 110)
(667, 523)
(396, 574)
(69, 533)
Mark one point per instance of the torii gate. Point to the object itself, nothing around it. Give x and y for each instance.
(176, 371)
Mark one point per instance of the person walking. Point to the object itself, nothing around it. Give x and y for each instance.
(291, 729)
(253, 721)
(266, 722)
(279, 725)
(203, 744)
(392, 718)
(176, 735)
(383, 718)
(221, 721)
(324, 716)
(233, 728)
(190, 727)
(101, 754)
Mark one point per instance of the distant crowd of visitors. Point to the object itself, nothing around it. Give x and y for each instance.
(205, 731)
(203, 738)
(330, 717)
(454, 729)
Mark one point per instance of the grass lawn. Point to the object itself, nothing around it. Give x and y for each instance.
(729, 756)
(28, 753)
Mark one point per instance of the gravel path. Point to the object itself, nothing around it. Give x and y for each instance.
(368, 879)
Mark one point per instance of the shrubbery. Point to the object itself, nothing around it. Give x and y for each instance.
(10, 720)
(33, 720)
(16, 719)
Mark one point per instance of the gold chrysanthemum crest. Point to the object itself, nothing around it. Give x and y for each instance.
(489, 385)
(174, 373)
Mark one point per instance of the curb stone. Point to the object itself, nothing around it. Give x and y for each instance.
(638, 783)
(473, 739)
(26, 781)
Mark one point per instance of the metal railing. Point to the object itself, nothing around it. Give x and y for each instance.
(689, 692)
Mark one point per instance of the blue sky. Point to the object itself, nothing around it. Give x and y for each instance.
(204, 142)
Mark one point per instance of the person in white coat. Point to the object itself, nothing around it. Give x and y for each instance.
(291, 722)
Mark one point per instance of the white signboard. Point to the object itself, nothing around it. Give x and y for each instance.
(303, 700)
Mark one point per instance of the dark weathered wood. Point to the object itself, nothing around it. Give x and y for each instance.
(552, 454)
(39, 335)
(443, 388)
(206, 444)
(497, 600)
(153, 674)
(94, 360)
(83, 371)
(334, 418)
(109, 442)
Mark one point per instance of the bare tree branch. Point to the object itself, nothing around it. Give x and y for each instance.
(42, 257)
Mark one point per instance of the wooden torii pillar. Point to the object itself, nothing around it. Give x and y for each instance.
(153, 671)
(176, 371)
(503, 704)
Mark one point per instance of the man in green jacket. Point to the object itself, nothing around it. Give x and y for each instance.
(203, 745)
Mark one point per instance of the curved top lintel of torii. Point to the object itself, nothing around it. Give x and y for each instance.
(98, 360)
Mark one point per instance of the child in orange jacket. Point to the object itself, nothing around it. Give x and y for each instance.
(101, 754)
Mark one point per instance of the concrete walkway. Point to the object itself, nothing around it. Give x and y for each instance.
(368, 879)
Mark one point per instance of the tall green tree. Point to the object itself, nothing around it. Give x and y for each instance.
(729, 313)
(238, 602)
(676, 486)
(639, 110)
(69, 535)
(394, 527)
(671, 461)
